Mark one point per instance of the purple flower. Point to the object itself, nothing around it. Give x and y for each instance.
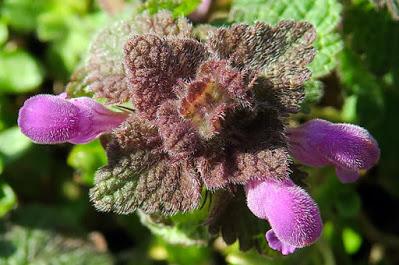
(348, 147)
(201, 12)
(49, 119)
(293, 215)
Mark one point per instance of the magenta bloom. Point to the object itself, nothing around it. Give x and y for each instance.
(293, 215)
(49, 119)
(348, 147)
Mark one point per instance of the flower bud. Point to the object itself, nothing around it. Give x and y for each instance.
(49, 119)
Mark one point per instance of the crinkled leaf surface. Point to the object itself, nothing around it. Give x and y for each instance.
(31, 239)
(104, 71)
(323, 14)
(144, 181)
(282, 52)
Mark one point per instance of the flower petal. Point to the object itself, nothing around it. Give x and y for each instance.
(49, 119)
(348, 147)
(276, 244)
(293, 215)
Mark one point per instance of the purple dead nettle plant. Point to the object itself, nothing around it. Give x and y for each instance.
(206, 115)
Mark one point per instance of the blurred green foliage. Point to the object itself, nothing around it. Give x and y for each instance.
(46, 216)
(178, 7)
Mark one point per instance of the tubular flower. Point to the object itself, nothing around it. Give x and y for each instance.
(293, 215)
(208, 114)
(49, 119)
(348, 147)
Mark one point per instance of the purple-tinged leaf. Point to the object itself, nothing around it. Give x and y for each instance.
(281, 53)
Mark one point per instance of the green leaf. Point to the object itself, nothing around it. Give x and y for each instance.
(182, 229)
(13, 144)
(66, 52)
(314, 90)
(323, 14)
(86, 159)
(380, 54)
(145, 181)
(177, 7)
(8, 199)
(187, 254)
(358, 80)
(352, 240)
(282, 52)
(22, 14)
(3, 33)
(53, 25)
(26, 15)
(29, 243)
(19, 72)
(104, 71)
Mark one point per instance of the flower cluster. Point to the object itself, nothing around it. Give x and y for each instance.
(206, 115)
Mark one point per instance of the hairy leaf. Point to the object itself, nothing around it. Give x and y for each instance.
(323, 14)
(217, 90)
(248, 149)
(180, 139)
(104, 71)
(284, 100)
(140, 176)
(142, 181)
(281, 53)
(154, 65)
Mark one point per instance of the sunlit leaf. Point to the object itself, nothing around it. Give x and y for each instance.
(3, 32)
(323, 14)
(13, 143)
(352, 240)
(30, 243)
(86, 159)
(19, 72)
(177, 7)
(314, 90)
(8, 199)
